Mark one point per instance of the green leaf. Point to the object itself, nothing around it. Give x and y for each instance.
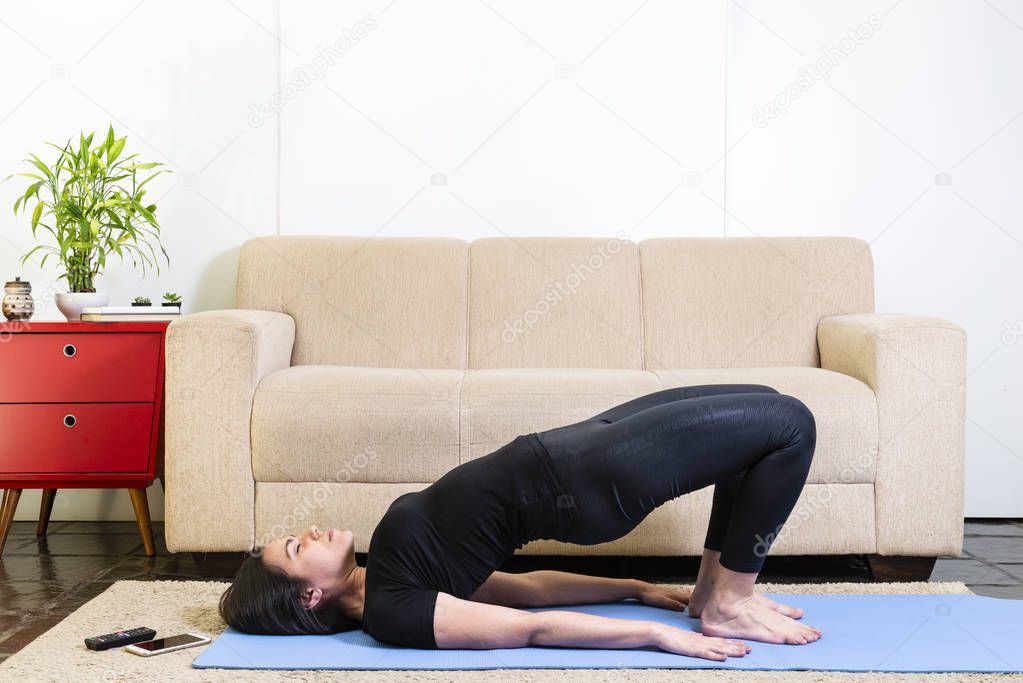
(41, 166)
(146, 213)
(110, 136)
(63, 150)
(44, 225)
(140, 185)
(37, 213)
(33, 189)
(37, 248)
(114, 150)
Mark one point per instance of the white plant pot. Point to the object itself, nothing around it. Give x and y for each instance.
(72, 303)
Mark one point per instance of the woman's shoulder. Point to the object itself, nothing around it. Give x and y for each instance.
(399, 521)
(404, 496)
(403, 508)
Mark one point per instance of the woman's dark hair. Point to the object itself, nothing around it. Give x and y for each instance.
(265, 600)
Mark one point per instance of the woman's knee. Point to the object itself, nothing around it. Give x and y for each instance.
(799, 415)
(762, 388)
(720, 389)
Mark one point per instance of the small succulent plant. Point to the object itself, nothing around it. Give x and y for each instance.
(171, 297)
(143, 300)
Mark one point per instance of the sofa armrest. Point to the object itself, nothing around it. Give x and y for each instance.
(916, 366)
(214, 360)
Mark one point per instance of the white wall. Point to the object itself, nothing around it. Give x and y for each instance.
(913, 143)
(472, 118)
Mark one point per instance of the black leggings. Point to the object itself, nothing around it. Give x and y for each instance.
(753, 443)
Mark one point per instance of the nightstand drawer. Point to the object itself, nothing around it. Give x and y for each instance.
(75, 437)
(71, 367)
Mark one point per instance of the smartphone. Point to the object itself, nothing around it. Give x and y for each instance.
(158, 646)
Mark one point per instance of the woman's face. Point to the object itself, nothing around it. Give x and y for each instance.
(320, 557)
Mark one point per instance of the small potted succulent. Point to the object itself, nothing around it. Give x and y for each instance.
(141, 301)
(171, 299)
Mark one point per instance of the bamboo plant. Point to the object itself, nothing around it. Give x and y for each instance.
(91, 199)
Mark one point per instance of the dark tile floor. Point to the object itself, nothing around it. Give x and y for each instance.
(42, 580)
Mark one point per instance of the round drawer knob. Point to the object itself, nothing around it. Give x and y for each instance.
(70, 421)
(70, 350)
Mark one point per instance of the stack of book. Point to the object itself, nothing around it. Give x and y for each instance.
(106, 314)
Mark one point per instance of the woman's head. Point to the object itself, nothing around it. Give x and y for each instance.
(294, 585)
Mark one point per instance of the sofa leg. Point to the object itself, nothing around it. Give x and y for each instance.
(900, 567)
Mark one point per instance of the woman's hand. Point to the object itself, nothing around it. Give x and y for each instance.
(663, 596)
(693, 644)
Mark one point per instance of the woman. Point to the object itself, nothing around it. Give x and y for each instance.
(430, 579)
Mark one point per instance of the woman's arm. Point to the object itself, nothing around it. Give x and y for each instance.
(545, 588)
(467, 624)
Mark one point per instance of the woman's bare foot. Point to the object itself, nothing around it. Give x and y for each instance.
(696, 608)
(733, 611)
(752, 620)
(709, 570)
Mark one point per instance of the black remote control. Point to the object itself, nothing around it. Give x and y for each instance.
(119, 638)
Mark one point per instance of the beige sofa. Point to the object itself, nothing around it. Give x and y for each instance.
(355, 369)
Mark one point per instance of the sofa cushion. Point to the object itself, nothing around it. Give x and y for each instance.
(844, 408)
(337, 423)
(711, 302)
(498, 405)
(392, 302)
(554, 302)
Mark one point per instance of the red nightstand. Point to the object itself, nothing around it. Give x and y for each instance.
(81, 406)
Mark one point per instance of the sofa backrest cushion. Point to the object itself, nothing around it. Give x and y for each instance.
(570, 302)
(395, 302)
(716, 302)
(554, 302)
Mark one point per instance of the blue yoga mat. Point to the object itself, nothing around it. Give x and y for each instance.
(906, 633)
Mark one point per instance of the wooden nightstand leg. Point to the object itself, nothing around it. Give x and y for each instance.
(141, 505)
(45, 508)
(10, 504)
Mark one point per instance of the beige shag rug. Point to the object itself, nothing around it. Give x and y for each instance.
(179, 606)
